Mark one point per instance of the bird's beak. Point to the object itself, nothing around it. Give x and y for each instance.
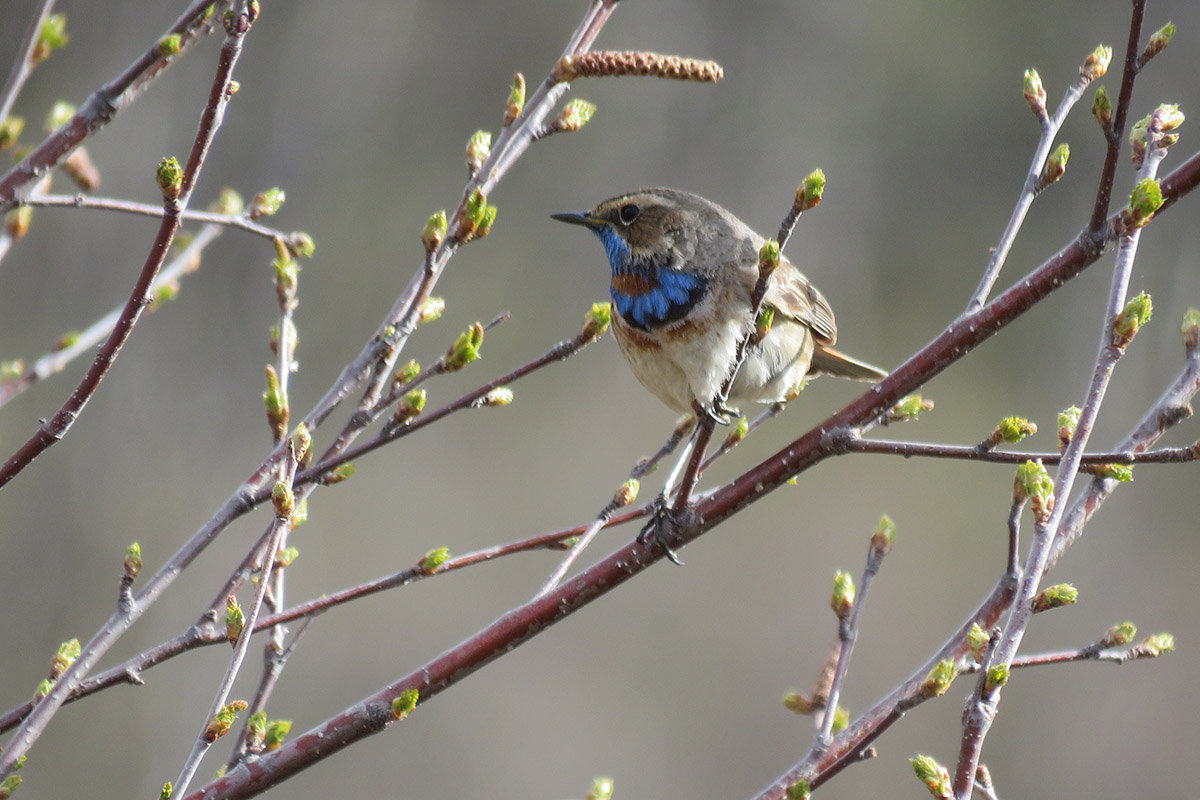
(578, 218)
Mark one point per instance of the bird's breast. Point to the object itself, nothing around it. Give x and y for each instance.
(650, 298)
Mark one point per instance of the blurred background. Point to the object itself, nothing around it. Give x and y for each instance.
(671, 685)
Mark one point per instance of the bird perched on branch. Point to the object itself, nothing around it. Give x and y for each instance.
(683, 274)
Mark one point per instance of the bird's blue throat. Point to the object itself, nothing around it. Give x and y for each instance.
(645, 291)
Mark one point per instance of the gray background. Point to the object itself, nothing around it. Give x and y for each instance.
(672, 684)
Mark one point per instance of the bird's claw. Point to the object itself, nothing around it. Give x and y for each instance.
(662, 520)
(718, 412)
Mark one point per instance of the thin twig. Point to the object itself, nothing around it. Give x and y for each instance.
(240, 221)
(23, 66)
(1167, 455)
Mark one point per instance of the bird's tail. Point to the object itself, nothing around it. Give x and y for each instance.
(827, 361)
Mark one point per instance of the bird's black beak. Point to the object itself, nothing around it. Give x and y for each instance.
(578, 218)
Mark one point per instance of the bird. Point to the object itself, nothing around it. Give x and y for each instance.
(683, 273)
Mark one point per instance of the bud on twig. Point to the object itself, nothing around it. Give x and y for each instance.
(479, 146)
(1096, 64)
(935, 777)
(884, 536)
(602, 789)
(768, 259)
(435, 231)
(799, 790)
(1102, 109)
(1035, 93)
(1034, 482)
(433, 559)
(938, 681)
(266, 204)
(627, 493)
(276, 403)
(223, 720)
(997, 676)
(1056, 165)
(465, 349)
(133, 561)
(978, 641)
(516, 100)
(1191, 328)
(842, 600)
(404, 704)
(409, 407)
(169, 176)
(1158, 41)
(596, 322)
(1068, 420)
(1011, 430)
(1064, 594)
(1118, 635)
(283, 499)
(1136, 313)
(235, 620)
(10, 131)
(68, 651)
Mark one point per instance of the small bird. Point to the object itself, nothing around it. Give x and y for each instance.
(683, 272)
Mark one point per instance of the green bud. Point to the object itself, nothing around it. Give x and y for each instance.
(808, 196)
(16, 222)
(43, 689)
(1012, 430)
(465, 349)
(596, 322)
(228, 201)
(276, 403)
(286, 556)
(763, 323)
(301, 441)
(1159, 41)
(1068, 420)
(433, 559)
(935, 777)
(516, 100)
(1034, 92)
(169, 176)
(235, 620)
(884, 536)
(602, 789)
(1139, 140)
(798, 791)
(68, 651)
(496, 398)
(431, 309)
(841, 719)
(256, 730)
(938, 681)
(1116, 472)
(133, 561)
(768, 258)
(60, 114)
(11, 370)
(435, 231)
(9, 785)
(472, 215)
(574, 116)
(479, 147)
(277, 731)
(301, 245)
(283, 499)
(1156, 645)
(52, 36)
(1118, 635)
(1064, 594)
(68, 339)
(167, 790)
(997, 676)
(842, 600)
(223, 720)
(407, 373)
(486, 221)
(1056, 164)
(338, 474)
(412, 404)
(169, 45)
(977, 641)
(737, 433)
(10, 131)
(627, 493)
(909, 408)
(1190, 329)
(1169, 117)
(403, 705)
(1136, 313)
(1102, 109)
(798, 703)
(299, 517)
(1096, 64)
(267, 203)
(1034, 482)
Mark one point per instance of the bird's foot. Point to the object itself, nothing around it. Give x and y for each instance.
(718, 412)
(662, 523)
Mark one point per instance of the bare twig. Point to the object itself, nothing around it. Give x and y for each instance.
(851, 443)
(23, 66)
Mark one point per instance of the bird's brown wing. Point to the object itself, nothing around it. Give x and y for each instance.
(790, 294)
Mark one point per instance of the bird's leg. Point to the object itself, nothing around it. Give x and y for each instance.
(682, 480)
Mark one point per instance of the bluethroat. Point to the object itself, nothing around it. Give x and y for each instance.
(683, 272)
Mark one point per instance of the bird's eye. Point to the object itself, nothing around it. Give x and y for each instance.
(628, 213)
